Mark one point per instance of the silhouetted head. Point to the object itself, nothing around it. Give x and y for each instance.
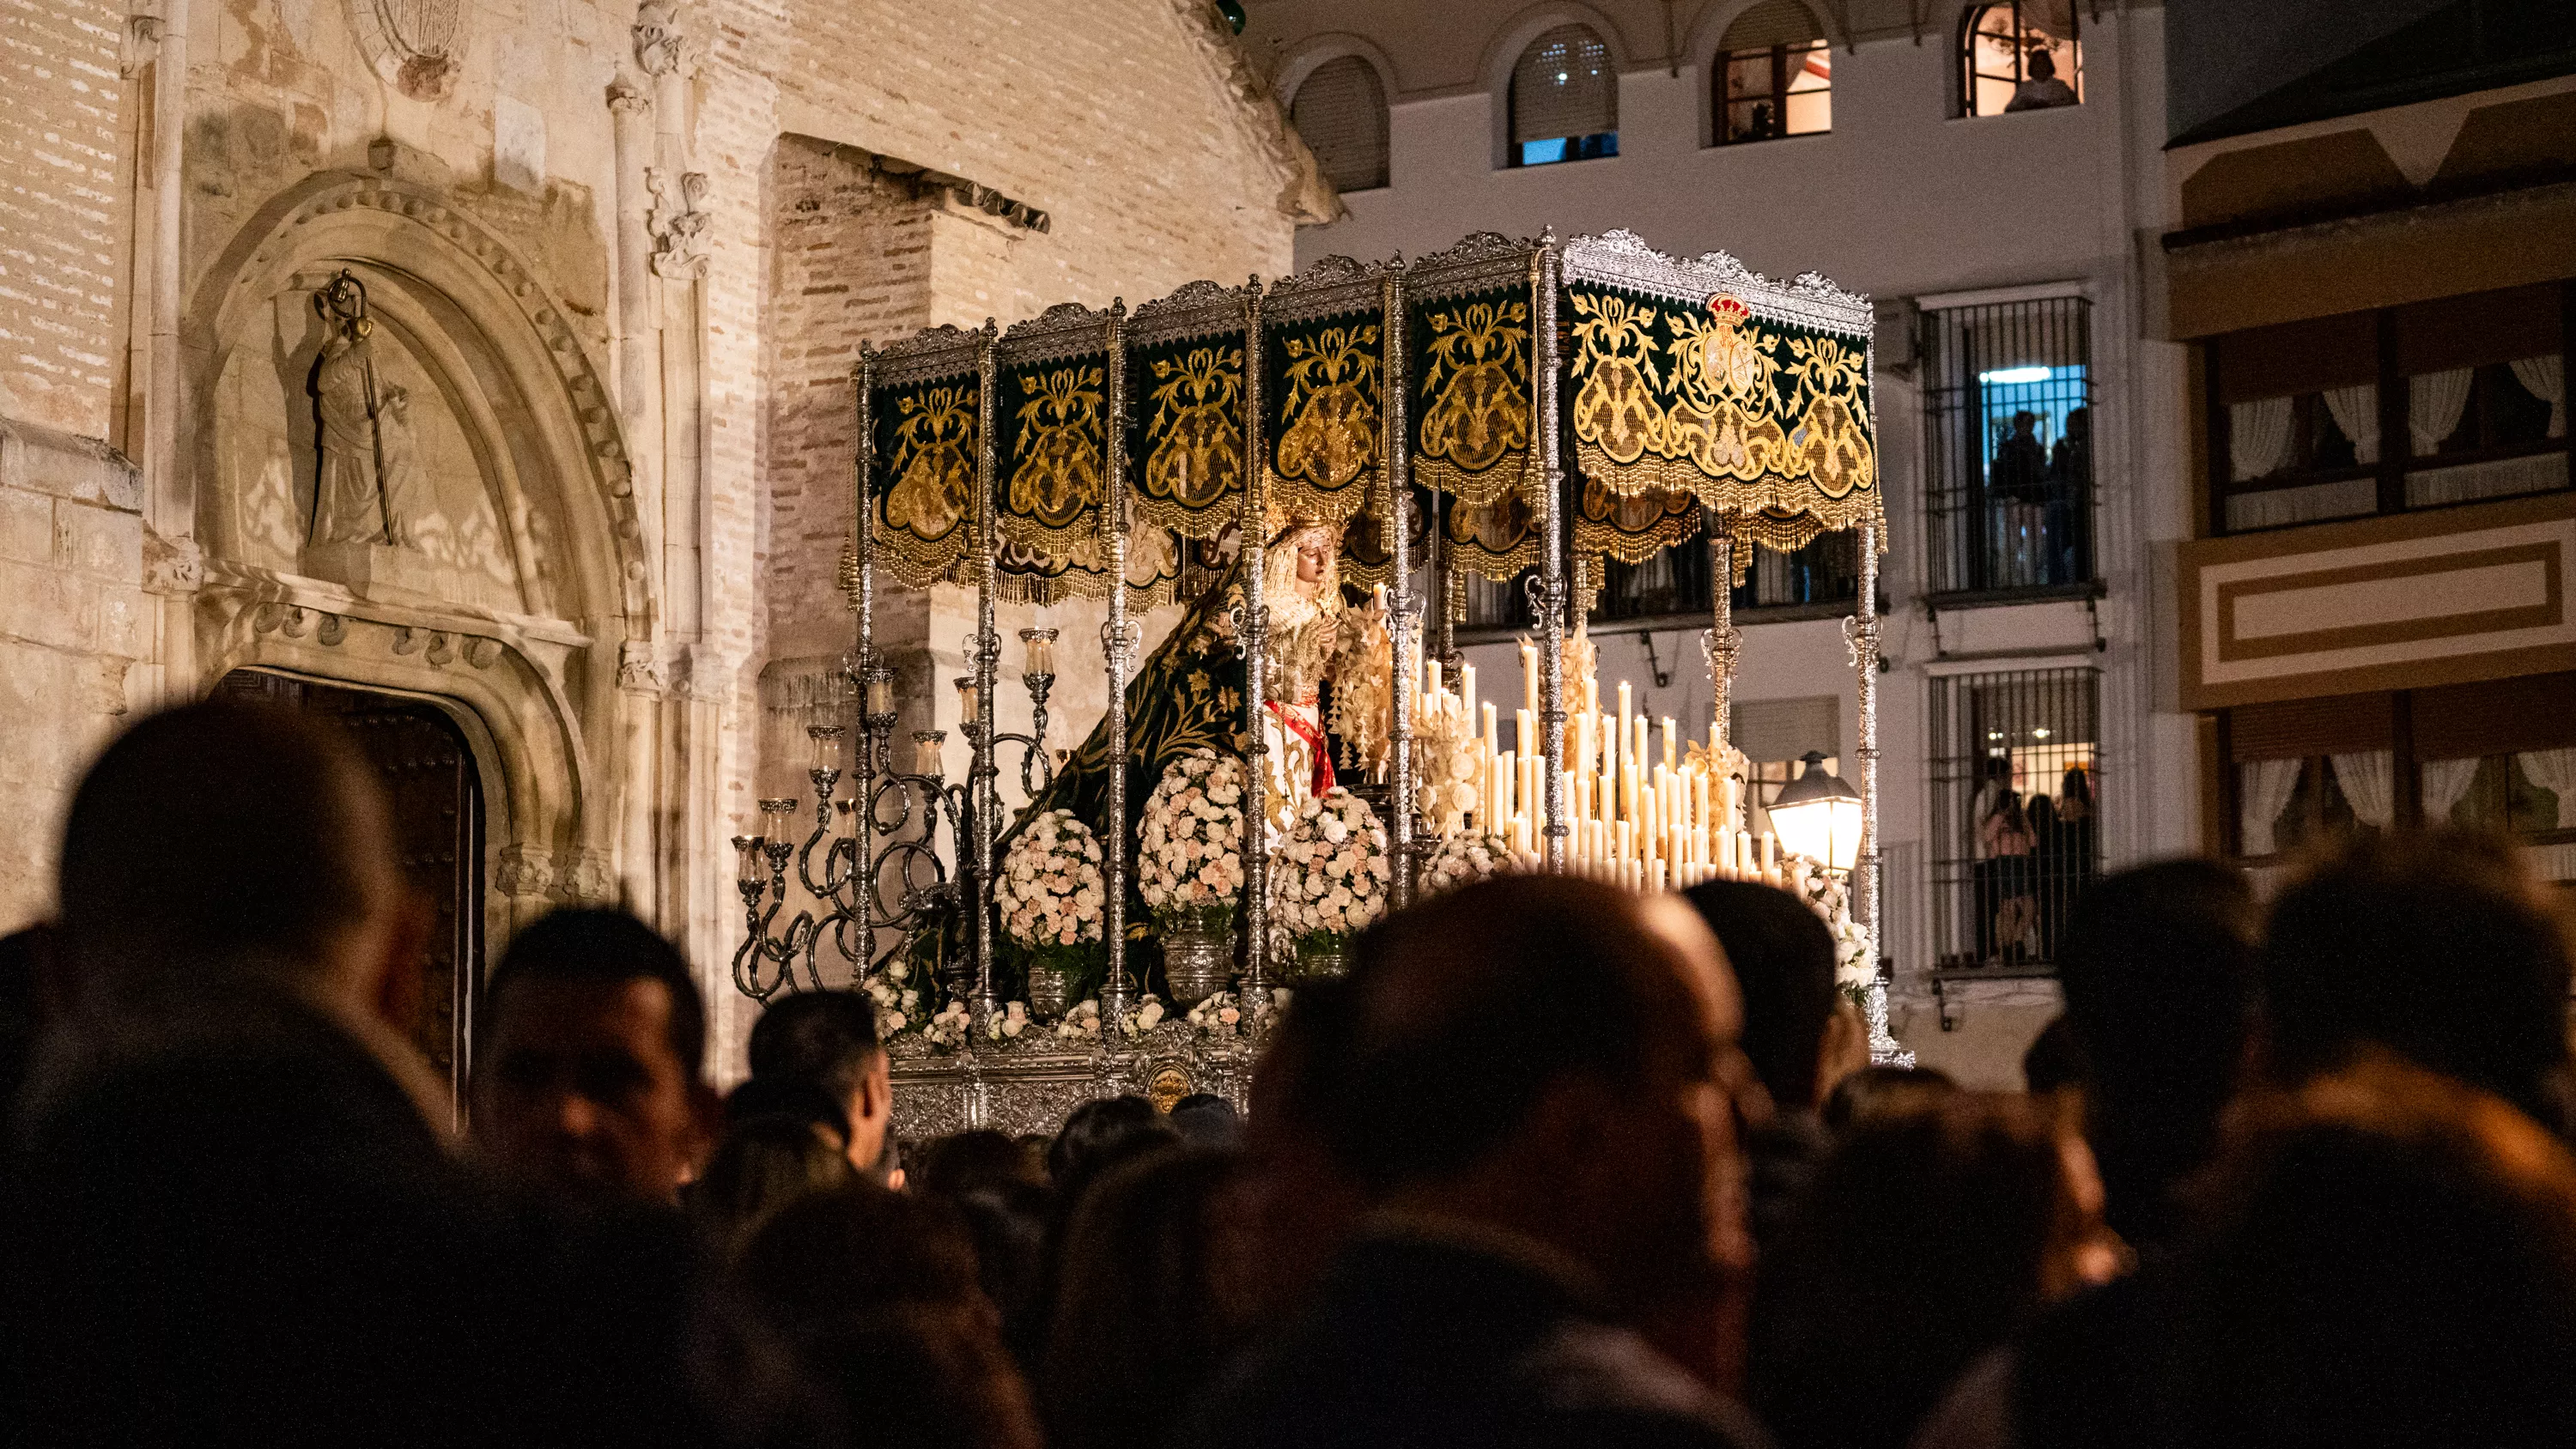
(1782, 954)
(763, 1164)
(2043, 66)
(234, 833)
(2436, 945)
(2158, 970)
(828, 1040)
(2386, 1256)
(1557, 1057)
(594, 1041)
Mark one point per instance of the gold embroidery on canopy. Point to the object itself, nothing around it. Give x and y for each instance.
(1195, 462)
(1329, 448)
(927, 512)
(1477, 389)
(1055, 481)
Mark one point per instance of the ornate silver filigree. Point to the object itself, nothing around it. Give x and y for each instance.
(1622, 258)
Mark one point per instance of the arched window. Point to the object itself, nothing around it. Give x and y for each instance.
(1341, 111)
(1774, 75)
(1564, 100)
(2021, 55)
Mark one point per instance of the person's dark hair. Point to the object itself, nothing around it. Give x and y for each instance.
(595, 943)
(858, 1248)
(827, 1038)
(763, 1164)
(1922, 1243)
(220, 830)
(1142, 1315)
(2054, 1060)
(2157, 966)
(1303, 1060)
(1783, 956)
(1205, 1119)
(760, 1097)
(2386, 1257)
(2433, 944)
(1097, 1129)
(1881, 1090)
(917, 1377)
(1008, 1221)
(1461, 1022)
(976, 1161)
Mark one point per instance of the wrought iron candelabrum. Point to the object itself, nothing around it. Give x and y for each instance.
(886, 840)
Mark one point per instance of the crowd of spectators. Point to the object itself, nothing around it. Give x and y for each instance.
(1555, 1164)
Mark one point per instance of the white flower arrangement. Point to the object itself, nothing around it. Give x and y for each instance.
(949, 1029)
(1008, 1026)
(1331, 872)
(1049, 888)
(1190, 856)
(1464, 859)
(898, 1005)
(1219, 1015)
(1854, 972)
(1081, 1023)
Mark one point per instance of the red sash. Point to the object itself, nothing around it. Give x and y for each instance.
(1315, 746)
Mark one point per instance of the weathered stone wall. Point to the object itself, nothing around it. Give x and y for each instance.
(62, 215)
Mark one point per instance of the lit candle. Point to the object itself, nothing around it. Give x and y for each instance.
(1504, 805)
(880, 693)
(968, 700)
(926, 750)
(1041, 653)
(1430, 673)
(1672, 744)
(1467, 690)
(1493, 735)
(1529, 676)
(1525, 732)
(1625, 708)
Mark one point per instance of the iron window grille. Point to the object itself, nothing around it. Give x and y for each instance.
(2008, 448)
(2016, 820)
(1674, 584)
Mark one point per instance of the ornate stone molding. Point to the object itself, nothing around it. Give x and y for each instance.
(627, 98)
(637, 672)
(662, 47)
(172, 565)
(679, 228)
(525, 871)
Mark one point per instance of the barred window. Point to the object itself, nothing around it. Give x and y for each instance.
(1341, 111)
(2016, 818)
(1774, 75)
(1564, 99)
(2020, 56)
(2008, 447)
(1674, 584)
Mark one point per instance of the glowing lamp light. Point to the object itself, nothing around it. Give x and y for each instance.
(1818, 816)
(2011, 375)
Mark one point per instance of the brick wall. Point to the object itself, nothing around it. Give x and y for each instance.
(61, 212)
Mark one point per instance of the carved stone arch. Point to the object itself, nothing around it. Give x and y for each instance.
(525, 423)
(449, 263)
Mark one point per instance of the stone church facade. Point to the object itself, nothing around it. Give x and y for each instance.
(496, 358)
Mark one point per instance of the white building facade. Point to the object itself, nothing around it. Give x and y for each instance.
(2004, 249)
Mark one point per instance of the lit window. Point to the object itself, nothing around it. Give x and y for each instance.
(1564, 99)
(2021, 56)
(1774, 75)
(1341, 111)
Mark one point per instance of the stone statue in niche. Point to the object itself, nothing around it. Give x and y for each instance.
(351, 503)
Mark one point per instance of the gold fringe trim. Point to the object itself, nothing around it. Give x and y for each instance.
(1051, 541)
(1203, 523)
(1772, 494)
(1516, 469)
(1298, 497)
(1600, 540)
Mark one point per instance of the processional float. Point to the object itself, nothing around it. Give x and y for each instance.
(1430, 406)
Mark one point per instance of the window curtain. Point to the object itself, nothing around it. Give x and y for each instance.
(2369, 779)
(2433, 404)
(2355, 409)
(2445, 781)
(2258, 436)
(2547, 379)
(2264, 788)
(1564, 86)
(2555, 772)
(2052, 18)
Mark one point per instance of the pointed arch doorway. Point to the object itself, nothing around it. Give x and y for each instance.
(430, 777)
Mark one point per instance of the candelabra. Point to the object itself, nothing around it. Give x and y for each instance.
(877, 864)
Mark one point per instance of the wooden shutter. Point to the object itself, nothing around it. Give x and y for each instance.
(1341, 111)
(1773, 22)
(1564, 86)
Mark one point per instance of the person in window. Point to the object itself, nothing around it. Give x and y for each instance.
(1758, 128)
(2000, 849)
(2070, 471)
(2042, 90)
(2018, 480)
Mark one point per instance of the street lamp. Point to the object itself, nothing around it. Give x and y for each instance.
(1818, 816)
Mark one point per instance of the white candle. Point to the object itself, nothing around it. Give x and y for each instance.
(1467, 689)
(1672, 744)
(1529, 675)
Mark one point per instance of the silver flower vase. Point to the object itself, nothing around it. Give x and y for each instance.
(1048, 987)
(1198, 954)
